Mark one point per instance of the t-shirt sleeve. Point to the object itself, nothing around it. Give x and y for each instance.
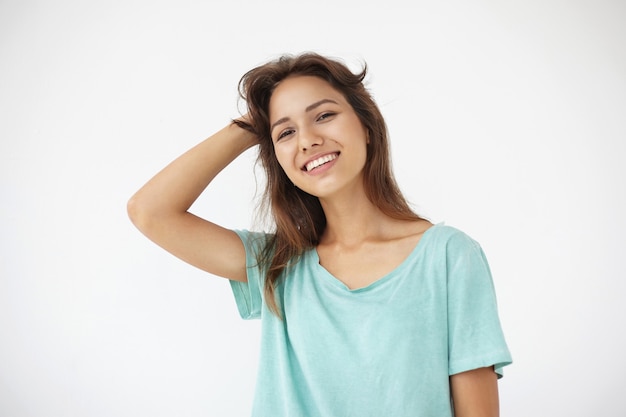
(249, 295)
(475, 337)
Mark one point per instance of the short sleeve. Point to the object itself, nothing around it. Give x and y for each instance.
(249, 295)
(475, 337)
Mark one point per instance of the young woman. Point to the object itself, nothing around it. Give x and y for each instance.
(367, 308)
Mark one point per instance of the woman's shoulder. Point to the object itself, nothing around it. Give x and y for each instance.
(444, 229)
(450, 237)
(254, 240)
(252, 234)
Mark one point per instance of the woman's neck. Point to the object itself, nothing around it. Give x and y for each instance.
(353, 220)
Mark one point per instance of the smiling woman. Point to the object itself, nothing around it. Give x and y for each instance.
(367, 308)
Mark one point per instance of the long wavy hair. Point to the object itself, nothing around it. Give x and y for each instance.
(298, 217)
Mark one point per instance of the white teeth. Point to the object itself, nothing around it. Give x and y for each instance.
(320, 161)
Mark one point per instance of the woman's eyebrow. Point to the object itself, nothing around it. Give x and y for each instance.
(308, 109)
(319, 103)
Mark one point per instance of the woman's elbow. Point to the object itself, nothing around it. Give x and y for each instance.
(138, 212)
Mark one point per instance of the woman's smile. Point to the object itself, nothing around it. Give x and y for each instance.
(318, 163)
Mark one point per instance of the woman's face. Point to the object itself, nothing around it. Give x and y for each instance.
(318, 139)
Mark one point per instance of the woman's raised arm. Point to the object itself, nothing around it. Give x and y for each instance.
(160, 208)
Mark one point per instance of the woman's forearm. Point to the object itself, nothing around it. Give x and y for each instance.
(174, 189)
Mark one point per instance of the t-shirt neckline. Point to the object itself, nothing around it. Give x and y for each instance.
(327, 276)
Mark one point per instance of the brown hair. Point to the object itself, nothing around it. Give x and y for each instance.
(298, 216)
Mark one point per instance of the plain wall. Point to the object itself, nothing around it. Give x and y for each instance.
(507, 120)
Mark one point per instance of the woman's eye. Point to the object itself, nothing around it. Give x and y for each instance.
(325, 116)
(284, 134)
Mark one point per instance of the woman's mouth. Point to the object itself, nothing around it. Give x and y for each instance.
(320, 161)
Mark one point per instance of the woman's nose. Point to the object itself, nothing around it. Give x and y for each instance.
(309, 138)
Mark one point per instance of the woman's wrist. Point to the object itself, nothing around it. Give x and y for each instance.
(243, 127)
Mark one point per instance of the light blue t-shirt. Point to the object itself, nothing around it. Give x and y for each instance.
(384, 350)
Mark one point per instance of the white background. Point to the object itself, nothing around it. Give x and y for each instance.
(507, 120)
